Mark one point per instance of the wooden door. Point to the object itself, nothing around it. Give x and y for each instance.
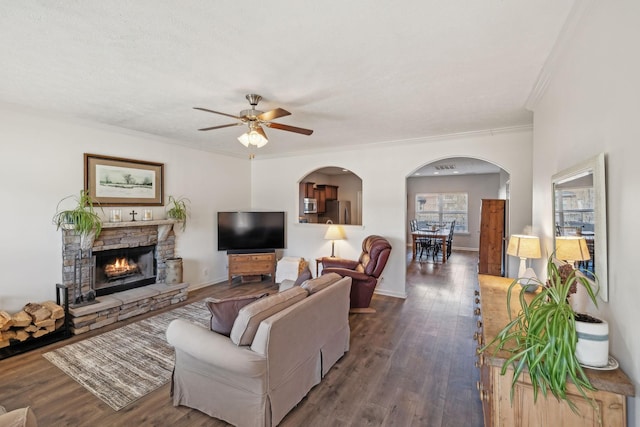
(492, 238)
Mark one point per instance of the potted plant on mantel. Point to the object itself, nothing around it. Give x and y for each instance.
(83, 219)
(543, 336)
(178, 209)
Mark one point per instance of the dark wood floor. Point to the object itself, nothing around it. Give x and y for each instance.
(410, 364)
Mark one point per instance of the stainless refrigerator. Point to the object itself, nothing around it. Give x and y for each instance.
(338, 211)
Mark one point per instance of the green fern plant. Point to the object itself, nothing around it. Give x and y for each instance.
(178, 209)
(542, 337)
(83, 218)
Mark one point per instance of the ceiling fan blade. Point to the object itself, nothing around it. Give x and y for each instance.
(267, 116)
(289, 128)
(222, 126)
(217, 112)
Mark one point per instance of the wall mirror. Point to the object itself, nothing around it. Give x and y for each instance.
(580, 209)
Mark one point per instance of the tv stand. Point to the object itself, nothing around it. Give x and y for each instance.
(251, 266)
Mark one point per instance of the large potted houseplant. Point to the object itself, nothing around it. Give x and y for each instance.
(542, 338)
(83, 218)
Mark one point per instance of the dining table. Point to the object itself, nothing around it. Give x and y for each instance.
(441, 233)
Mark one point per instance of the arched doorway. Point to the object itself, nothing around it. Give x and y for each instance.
(450, 189)
(336, 195)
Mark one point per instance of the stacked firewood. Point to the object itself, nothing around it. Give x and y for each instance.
(34, 320)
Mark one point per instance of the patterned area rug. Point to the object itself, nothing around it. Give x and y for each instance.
(122, 365)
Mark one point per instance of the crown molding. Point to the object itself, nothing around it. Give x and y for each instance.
(576, 15)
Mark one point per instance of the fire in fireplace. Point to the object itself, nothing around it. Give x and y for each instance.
(121, 267)
(127, 268)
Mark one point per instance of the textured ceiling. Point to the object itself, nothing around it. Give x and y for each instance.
(356, 72)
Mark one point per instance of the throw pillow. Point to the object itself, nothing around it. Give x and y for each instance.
(224, 311)
(249, 318)
(314, 285)
(303, 276)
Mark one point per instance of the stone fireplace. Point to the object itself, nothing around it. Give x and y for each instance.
(124, 268)
(80, 266)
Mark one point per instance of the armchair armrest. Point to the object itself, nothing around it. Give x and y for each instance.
(356, 275)
(328, 262)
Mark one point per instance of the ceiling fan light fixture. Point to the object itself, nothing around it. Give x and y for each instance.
(255, 137)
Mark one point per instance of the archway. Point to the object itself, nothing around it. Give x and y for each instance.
(450, 189)
(336, 193)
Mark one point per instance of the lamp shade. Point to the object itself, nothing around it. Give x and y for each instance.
(524, 246)
(334, 232)
(572, 248)
(255, 137)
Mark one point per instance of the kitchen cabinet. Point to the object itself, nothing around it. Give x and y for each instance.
(319, 195)
(307, 190)
(324, 192)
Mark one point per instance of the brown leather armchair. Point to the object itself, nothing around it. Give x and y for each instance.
(364, 272)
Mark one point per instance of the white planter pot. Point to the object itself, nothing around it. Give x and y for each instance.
(592, 348)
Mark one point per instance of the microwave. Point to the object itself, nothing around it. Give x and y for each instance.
(310, 205)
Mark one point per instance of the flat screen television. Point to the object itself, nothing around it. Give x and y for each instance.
(245, 232)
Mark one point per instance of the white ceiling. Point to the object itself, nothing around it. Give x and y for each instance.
(356, 72)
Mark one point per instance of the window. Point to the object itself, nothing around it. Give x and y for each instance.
(442, 208)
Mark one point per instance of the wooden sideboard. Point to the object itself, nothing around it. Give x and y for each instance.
(494, 389)
(252, 266)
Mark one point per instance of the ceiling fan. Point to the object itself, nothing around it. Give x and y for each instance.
(255, 119)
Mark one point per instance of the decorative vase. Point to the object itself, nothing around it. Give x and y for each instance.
(174, 271)
(592, 348)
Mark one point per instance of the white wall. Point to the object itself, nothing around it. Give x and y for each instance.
(41, 161)
(384, 170)
(478, 187)
(591, 105)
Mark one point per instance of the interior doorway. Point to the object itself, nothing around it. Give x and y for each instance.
(447, 190)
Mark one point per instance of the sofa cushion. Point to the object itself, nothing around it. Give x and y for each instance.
(23, 417)
(319, 283)
(249, 317)
(225, 310)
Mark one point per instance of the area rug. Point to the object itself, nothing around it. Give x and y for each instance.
(123, 365)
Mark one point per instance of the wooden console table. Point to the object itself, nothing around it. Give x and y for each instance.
(251, 267)
(612, 386)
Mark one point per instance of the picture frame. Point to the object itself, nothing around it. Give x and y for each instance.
(117, 181)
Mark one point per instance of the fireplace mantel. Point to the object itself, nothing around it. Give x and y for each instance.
(140, 223)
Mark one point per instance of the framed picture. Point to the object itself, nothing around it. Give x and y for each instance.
(115, 181)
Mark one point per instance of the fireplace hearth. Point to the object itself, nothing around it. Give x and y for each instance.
(125, 268)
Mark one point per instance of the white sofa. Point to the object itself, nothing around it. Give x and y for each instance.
(23, 417)
(258, 384)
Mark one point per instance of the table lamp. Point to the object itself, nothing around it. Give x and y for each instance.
(524, 246)
(572, 249)
(334, 232)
